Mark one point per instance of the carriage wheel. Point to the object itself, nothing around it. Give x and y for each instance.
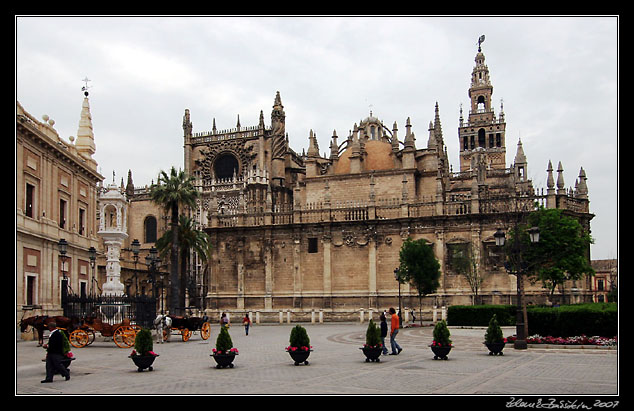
(91, 336)
(78, 338)
(186, 334)
(205, 330)
(124, 336)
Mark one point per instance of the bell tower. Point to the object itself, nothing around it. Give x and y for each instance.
(483, 133)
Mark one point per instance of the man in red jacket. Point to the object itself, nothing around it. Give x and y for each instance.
(396, 349)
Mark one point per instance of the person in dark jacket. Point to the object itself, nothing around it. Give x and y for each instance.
(55, 354)
(383, 332)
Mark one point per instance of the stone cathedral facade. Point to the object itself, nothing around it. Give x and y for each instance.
(310, 232)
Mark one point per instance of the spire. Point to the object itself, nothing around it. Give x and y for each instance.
(560, 179)
(313, 146)
(187, 124)
(550, 182)
(520, 158)
(85, 143)
(582, 188)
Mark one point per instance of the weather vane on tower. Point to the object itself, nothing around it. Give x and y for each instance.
(85, 88)
(480, 41)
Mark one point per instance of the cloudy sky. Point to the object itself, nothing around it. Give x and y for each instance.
(557, 77)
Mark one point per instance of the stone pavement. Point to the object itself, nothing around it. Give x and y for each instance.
(336, 367)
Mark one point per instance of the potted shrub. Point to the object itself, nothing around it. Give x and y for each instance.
(224, 353)
(373, 346)
(299, 345)
(493, 338)
(142, 355)
(441, 344)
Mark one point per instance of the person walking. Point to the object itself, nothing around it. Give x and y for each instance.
(247, 322)
(396, 349)
(383, 332)
(55, 354)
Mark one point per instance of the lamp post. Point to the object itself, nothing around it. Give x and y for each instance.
(62, 247)
(92, 256)
(397, 277)
(517, 268)
(153, 262)
(136, 247)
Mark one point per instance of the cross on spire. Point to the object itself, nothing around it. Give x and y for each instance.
(85, 88)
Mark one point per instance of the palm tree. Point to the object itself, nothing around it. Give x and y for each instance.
(189, 239)
(170, 192)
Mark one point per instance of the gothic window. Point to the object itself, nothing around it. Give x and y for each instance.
(150, 229)
(225, 166)
(498, 140)
(455, 254)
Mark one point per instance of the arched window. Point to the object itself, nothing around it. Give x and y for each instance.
(481, 138)
(481, 104)
(149, 227)
(225, 166)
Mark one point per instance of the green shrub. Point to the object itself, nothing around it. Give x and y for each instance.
(373, 335)
(479, 315)
(143, 342)
(591, 319)
(441, 334)
(299, 337)
(223, 342)
(494, 332)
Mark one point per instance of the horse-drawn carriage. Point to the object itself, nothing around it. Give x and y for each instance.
(186, 326)
(40, 323)
(123, 333)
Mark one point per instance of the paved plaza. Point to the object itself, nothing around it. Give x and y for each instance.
(336, 367)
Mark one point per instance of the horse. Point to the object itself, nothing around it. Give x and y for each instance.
(162, 322)
(40, 323)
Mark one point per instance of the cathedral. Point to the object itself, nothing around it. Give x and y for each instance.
(310, 232)
(296, 234)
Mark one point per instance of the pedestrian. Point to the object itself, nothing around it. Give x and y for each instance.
(55, 354)
(396, 349)
(247, 322)
(383, 333)
(224, 320)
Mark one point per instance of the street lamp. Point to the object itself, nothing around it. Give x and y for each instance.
(62, 246)
(92, 255)
(397, 277)
(521, 322)
(136, 247)
(153, 261)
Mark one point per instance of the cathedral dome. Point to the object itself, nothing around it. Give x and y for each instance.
(378, 156)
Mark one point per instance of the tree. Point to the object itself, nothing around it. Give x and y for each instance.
(189, 239)
(465, 265)
(170, 192)
(562, 251)
(419, 266)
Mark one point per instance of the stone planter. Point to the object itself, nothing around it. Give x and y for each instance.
(495, 348)
(224, 360)
(143, 362)
(440, 352)
(300, 356)
(372, 354)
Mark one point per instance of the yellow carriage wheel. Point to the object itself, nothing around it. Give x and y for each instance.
(205, 330)
(186, 334)
(78, 338)
(124, 336)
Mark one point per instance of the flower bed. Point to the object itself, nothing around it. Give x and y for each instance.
(580, 340)
(230, 351)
